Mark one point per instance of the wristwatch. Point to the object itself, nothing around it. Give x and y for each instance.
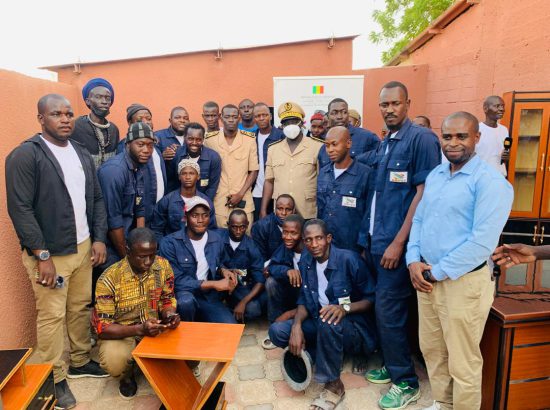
(43, 256)
(347, 307)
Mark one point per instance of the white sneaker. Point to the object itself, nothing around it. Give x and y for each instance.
(434, 406)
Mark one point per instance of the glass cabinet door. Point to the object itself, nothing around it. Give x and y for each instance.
(528, 160)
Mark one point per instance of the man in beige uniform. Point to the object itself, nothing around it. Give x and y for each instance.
(291, 166)
(239, 154)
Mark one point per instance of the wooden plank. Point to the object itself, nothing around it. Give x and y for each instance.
(17, 397)
(532, 334)
(529, 396)
(11, 362)
(530, 363)
(172, 380)
(193, 341)
(211, 383)
(489, 349)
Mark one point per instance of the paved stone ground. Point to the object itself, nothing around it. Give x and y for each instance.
(254, 382)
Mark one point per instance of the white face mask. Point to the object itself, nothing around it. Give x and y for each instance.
(292, 131)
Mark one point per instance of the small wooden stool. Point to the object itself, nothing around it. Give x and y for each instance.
(163, 361)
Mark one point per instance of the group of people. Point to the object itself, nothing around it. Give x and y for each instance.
(327, 232)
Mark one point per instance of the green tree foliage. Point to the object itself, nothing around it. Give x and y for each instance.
(403, 20)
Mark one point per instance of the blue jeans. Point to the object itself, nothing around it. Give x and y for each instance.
(254, 308)
(281, 297)
(198, 308)
(393, 291)
(326, 343)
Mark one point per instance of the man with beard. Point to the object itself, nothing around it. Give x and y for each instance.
(169, 214)
(491, 143)
(211, 116)
(456, 227)
(99, 136)
(267, 231)
(265, 135)
(246, 111)
(400, 166)
(333, 316)
(122, 180)
(241, 256)
(292, 165)
(170, 139)
(209, 161)
(239, 155)
(196, 255)
(342, 190)
(55, 203)
(361, 140)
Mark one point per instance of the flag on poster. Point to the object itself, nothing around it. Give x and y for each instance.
(318, 89)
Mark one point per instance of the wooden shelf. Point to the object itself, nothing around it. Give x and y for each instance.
(18, 394)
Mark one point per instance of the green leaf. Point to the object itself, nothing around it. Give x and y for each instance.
(403, 20)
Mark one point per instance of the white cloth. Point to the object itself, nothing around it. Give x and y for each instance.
(296, 259)
(258, 190)
(322, 282)
(158, 172)
(491, 145)
(338, 172)
(373, 203)
(179, 138)
(234, 244)
(202, 263)
(75, 181)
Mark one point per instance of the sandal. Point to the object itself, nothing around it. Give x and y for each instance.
(268, 344)
(327, 400)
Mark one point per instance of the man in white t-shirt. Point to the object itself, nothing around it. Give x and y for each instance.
(265, 135)
(490, 147)
(57, 209)
(334, 313)
(196, 254)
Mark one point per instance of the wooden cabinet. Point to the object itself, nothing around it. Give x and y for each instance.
(528, 120)
(516, 354)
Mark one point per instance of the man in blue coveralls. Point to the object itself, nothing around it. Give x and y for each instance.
(195, 254)
(122, 183)
(342, 190)
(332, 315)
(170, 139)
(209, 160)
(241, 256)
(169, 213)
(267, 231)
(401, 165)
(362, 140)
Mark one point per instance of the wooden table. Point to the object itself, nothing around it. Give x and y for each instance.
(516, 353)
(25, 385)
(162, 360)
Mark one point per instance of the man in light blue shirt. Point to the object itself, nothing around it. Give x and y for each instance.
(455, 230)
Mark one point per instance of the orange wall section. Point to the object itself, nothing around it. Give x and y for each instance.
(18, 112)
(494, 47)
(191, 79)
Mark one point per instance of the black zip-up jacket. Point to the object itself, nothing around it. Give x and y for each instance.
(39, 203)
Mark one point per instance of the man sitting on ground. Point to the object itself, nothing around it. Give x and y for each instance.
(169, 215)
(195, 254)
(241, 256)
(331, 318)
(125, 295)
(283, 274)
(267, 231)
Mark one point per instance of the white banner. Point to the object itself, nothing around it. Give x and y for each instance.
(314, 93)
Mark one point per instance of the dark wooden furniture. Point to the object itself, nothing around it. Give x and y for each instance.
(25, 386)
(528, 120)
(516, 353)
